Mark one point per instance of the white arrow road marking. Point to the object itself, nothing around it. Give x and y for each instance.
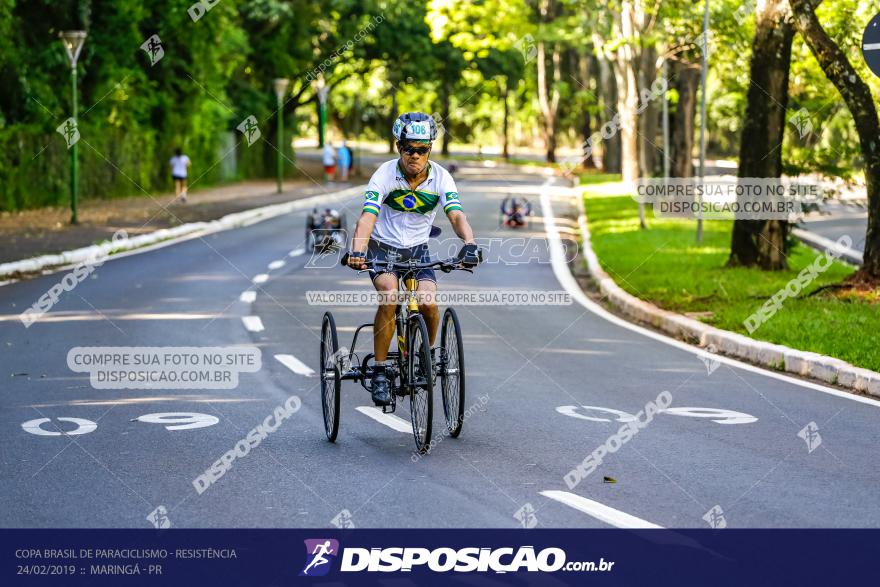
(253, 323)
(601, 512)
(261, 278)
(295, 365)
(871, 46)
(277, 264)
(248, 297)
(296, 252)
(389, 420)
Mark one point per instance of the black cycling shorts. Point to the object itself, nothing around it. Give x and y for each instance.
(381, 251)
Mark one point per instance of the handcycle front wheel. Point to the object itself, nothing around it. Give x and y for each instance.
(331, 378)
(452, 372)
(420, 380)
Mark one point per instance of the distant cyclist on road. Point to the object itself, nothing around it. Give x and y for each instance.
(399, 206)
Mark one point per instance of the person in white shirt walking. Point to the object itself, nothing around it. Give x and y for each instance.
(328, 158)
(179, 166)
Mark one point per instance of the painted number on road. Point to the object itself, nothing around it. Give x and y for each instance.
(180, 420)
(36, 427)
(617, 415)
(596, 413)
(716, 415)
(171, 420)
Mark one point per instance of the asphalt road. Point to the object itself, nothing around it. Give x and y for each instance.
(531, 369)
(838, 220)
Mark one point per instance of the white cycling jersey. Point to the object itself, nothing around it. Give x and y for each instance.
(404, 214)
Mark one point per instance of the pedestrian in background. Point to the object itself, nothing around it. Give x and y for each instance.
(179, 167)
(329, 160)
(343, 156)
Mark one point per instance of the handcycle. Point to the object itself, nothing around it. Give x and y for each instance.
(412, 372)
(325, 230)
(515, 213)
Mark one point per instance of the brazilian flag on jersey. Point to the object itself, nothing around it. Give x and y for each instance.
(411, 201)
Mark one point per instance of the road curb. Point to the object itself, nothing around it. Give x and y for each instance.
(234, 220)
(826, 245)
(774, 356)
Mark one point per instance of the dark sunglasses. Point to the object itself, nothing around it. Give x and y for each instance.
(410, 150)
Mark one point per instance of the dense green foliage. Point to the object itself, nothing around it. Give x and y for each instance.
(457, 58)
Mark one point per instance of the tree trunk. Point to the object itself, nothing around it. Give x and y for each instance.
(860, 102)
(763, 242)
(548, 94)
(548, 99)
(608, 149)
(505, 150)
(650, 116)
(584, 66)
(627, 102)
(687, 81)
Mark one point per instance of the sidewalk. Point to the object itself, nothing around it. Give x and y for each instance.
(30, 233)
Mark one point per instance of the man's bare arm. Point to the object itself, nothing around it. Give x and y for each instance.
(461, 226)
(362, 231)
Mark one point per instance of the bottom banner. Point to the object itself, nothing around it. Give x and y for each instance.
(437, 557)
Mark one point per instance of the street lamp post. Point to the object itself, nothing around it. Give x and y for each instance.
(73, 43)
(280, 89)
(323, 90)
(704, 71)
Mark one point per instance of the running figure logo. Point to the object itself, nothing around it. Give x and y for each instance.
(153, 48)
(319, 553)
(69, 130)
(249, 129)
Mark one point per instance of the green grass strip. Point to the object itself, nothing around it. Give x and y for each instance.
(664, 265)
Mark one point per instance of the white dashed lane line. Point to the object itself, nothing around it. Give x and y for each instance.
(296, 252)
(277, 264)
(248, 297)
(389, 420)
(261, 278)
(295, 365)
(601, 512)
(253, 323)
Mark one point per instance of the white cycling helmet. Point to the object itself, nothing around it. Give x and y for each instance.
(415, 126)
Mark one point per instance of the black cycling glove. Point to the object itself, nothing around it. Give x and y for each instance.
(469, 256)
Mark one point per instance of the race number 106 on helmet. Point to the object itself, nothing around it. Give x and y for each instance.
(415, 126)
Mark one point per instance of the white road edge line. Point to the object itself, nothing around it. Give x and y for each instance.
(277, 264)
(567, 280)
(601, 512)
(261, 278)
(871, 46)
(253, 323)
(248, 296)
(389, 420)
(295, 365)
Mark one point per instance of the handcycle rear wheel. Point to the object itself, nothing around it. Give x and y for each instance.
(331, 378)
(452, 372)
(421, 381)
